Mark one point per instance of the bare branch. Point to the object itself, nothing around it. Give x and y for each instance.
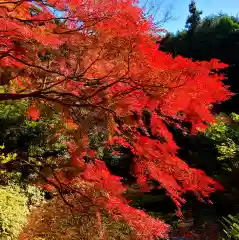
(160, 10)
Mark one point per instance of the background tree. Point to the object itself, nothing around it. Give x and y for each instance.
(193, 19)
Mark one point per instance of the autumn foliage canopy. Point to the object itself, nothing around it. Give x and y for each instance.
(100, 58)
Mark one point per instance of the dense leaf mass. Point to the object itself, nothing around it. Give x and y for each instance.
(96, 62)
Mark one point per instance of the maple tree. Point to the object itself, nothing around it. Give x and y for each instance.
(98, 65)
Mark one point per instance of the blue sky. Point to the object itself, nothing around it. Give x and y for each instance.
(180, 10)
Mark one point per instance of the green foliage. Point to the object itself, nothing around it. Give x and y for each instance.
(28, 141)
(5, 158)
(13, 110)
(231, 228)
(16, 198)
(213, 37)
(218, 24)
(15, 127)
(34, 195)
(13, 212)
(96, 141)
(225, 134)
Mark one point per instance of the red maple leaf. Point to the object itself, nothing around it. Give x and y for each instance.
(98, 63)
